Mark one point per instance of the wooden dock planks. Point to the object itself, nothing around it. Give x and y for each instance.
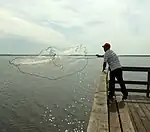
(133, 117)
(139, 111)
(120, 120)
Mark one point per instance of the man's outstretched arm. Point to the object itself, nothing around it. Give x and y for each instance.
(99, 55)
(104, 66)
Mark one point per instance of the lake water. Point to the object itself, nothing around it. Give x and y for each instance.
(35, 104)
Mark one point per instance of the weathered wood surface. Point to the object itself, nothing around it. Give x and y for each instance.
(127, 125)
(114, 123)
(99, 115)
(139, 107)
(119, 117)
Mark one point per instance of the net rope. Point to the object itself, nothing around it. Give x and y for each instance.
(51, 55)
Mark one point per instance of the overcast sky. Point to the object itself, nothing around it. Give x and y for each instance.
(27, 26)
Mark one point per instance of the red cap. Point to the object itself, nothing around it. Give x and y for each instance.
(106, 45)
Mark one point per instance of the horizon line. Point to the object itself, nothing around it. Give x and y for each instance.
(123, 55)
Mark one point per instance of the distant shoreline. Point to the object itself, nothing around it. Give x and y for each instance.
(71, 55)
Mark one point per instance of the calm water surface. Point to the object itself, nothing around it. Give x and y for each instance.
(34, 104)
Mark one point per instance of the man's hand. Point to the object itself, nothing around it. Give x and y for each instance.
(97, 55)
(103, 71)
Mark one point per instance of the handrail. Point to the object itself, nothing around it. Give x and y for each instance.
(147, 83)
(138, 69)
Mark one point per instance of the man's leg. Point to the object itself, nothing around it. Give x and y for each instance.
(112, 84)
(119, 77)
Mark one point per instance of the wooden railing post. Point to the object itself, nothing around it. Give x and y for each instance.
(148, 84)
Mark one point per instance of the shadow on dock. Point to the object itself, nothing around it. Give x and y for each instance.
(113, 108)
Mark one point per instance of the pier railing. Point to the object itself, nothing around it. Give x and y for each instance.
(146, 83)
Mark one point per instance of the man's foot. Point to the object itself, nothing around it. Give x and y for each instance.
(124, 97)
(110, 97)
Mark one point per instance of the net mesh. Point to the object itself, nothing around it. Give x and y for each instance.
(53, 64)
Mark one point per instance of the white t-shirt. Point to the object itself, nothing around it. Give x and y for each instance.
(112, 59)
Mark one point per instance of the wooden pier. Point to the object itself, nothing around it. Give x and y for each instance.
(99, 115)
(132, 115)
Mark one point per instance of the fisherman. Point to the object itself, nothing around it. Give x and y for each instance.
(115, 68)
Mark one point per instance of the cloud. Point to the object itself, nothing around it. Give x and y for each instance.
(125, 24)
(11, 24)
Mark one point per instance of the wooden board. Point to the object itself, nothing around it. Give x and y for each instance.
(120, 117)
(126, 120)
(139, 127)
(145, 110)
(132, 119)
(99, 115)
(148, 106)
(143, 117)
(113, 118)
